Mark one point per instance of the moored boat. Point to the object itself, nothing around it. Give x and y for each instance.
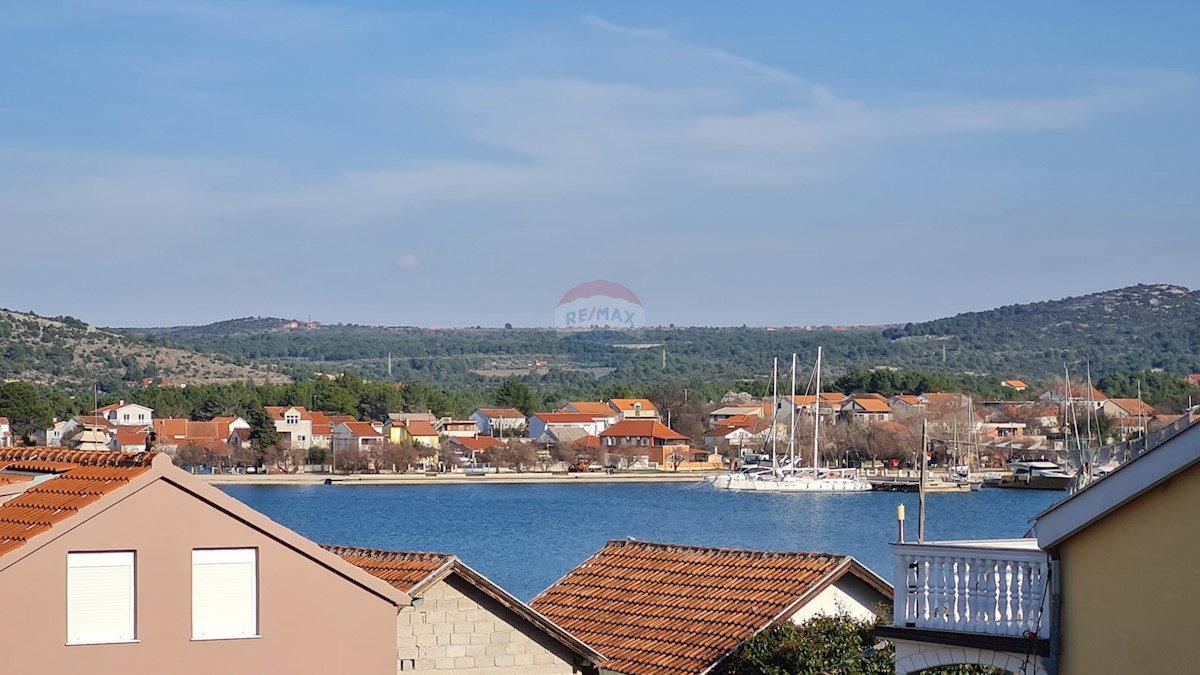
(1037, 475)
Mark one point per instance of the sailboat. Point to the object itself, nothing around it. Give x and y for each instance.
(791, 478)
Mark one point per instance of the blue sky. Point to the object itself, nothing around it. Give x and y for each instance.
(777, 163)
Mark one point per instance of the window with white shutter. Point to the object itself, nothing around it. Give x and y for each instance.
(224, 593)
(100, 597)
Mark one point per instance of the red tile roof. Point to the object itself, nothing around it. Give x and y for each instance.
(404, 571)
(589, 408)
(909, 399)
(361, 429)
(869, 396)
(1133, 406)
(643, 429)
(276, 411)
(83, 477)
(872, 405)
(412, 572)
(628, 403)
(659, 609)
(130, 441)
(170, 426)
(420, 428)
(479, 443)
(94, 421)
(738, 420)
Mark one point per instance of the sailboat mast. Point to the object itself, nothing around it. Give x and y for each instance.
(817, 412)
(774, 412)
(1066, 408)
(792, 421)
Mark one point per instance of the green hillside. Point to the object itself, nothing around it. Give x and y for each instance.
(67, 352)
(1131, 329)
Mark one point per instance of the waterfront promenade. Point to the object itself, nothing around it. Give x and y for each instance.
(505, 478)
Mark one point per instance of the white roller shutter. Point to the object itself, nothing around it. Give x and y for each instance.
(100, 597)
(224, 593)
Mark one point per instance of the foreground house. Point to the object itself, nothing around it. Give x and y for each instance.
(659, 609)
(462, 622)
(1107, 586)
(107, 579)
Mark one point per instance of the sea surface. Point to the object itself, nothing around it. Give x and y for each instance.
(526, 537)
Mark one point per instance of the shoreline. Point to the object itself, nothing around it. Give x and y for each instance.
(529, 478)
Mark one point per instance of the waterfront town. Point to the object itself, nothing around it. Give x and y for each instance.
(102, 578)
(860, 429)
(377, 338)
(84, 549)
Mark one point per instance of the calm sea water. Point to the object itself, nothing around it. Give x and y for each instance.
(525, 537)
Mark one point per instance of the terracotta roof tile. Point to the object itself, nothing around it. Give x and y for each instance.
(628, 403)
(642, 429)
(478, 443)
(589, 408)
(872, 405)
(659, 609)
(404, 571)
(420, 428)
(83, 477)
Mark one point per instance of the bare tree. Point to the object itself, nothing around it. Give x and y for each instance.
(514, 454)
(675, 459)
(397, 456)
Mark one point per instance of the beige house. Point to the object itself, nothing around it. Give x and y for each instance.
(293, 424)
(462, 624)
(633, 408)
(654, 609)
(1107, 586)
(108, 580)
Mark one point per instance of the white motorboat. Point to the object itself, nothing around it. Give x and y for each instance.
(1036, 475)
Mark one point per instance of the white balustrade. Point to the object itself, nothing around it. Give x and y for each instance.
(991, 587)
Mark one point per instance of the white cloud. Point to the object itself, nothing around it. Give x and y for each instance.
(408, 262)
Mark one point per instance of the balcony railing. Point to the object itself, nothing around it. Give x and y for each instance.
(996, 587)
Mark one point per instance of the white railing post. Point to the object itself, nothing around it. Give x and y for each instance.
(976, 588)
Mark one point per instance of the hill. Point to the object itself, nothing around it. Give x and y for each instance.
(1135, 328)
(67, 352)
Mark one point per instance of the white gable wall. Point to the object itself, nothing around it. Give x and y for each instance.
(848, 595)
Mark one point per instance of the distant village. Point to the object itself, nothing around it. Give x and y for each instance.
(862, 429)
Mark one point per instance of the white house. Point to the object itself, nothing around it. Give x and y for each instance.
(495, 421)
(294, 425)
(126, 414)
(51, 437)
(540, 423)
(6, 434)
(356, 436)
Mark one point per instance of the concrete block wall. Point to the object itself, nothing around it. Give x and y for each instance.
(459, 631)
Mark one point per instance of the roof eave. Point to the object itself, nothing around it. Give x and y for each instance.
(1133, 479)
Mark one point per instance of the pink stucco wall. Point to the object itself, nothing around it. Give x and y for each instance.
(311, 619)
